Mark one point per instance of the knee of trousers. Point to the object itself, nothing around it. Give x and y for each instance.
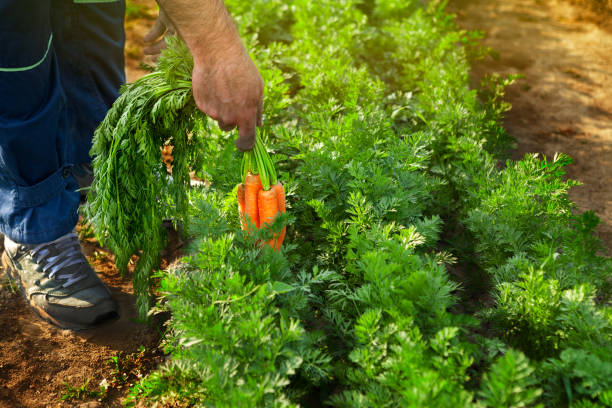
(18, 197)
(33, 214)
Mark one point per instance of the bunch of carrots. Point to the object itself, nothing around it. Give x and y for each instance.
(261, 197)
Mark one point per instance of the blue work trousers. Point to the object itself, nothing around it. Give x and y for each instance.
(61, 66)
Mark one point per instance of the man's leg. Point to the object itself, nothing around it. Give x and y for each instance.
(38, 199)
(38, 206)
(89, 42)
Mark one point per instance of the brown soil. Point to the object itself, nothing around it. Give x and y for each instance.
(37, 359)
(597, 11)
(564, 102)
(137, 24)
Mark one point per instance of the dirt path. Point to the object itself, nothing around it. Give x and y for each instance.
(37, 359)
(564, 102)
(140, 16)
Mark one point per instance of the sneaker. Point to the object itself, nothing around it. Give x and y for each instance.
(59, 284)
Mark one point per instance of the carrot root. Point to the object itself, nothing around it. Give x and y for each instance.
(261, 206)
(268, 209)
(241, 206)
(252, 186)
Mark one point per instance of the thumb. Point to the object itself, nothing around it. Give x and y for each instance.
(246, 135)
(155, 49)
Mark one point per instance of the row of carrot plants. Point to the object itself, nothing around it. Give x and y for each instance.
(397, 193)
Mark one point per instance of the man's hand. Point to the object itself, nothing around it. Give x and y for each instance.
(228, 88)
(226, 83)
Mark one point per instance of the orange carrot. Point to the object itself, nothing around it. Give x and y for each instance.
(252, 186)
(268, 209)
(241, 206)
(280, 198)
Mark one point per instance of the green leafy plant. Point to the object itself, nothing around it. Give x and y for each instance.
(510, 383)
(83, 392)
(132, 190)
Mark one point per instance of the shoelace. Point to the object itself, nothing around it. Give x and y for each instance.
(69, 255)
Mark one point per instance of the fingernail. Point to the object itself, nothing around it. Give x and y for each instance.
(244, 146)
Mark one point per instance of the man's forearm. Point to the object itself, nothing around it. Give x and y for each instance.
(225, 81)
(205, 25)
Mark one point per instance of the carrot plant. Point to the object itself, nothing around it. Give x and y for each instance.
(133, 192)
(261, 198)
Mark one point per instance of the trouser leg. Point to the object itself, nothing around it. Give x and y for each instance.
(38, 202)
(89, 47)
(60, 70)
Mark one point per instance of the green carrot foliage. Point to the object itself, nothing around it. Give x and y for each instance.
(133, 192)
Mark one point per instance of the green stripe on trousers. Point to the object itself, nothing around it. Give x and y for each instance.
(29, 67)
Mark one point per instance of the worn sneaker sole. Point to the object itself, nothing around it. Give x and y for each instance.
(7, 265)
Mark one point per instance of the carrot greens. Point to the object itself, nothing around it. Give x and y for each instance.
(258, 161)
(133, 191)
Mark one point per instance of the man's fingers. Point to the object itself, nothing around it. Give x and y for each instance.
(226, 127)
(158, 29)
(246, 135)
(156, 48)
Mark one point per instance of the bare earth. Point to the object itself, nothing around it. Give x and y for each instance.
(135, 29)
(37, 359)
(564, 102)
